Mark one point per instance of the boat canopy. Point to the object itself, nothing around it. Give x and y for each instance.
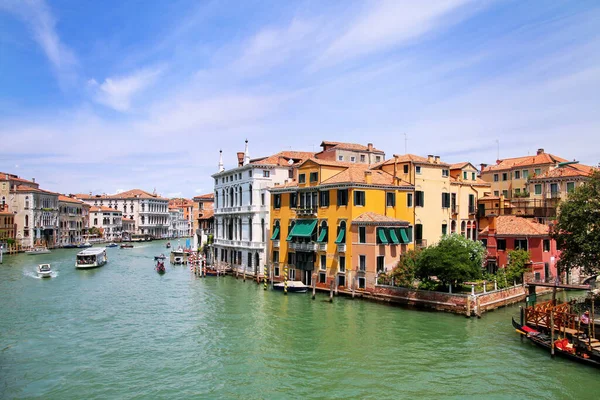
(92, 251)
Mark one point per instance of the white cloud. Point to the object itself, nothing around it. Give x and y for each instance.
(389, 23)
(42, 23)
(118, 92)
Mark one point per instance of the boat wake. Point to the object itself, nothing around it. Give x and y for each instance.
(34, 275)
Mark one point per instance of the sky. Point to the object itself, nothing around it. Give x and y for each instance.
(108, 96)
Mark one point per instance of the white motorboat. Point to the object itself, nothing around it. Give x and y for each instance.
(91, 258)
(84, 245)
(179, 256)
(38, 250)
(44, 271)
(292, 287)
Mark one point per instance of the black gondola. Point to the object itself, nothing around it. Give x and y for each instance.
(544, 341)
(168, 245)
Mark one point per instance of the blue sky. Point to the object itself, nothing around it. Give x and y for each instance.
(112, 95)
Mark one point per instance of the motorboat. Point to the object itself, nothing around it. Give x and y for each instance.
(292, 287)
(38, 250)
(91, 258)
(111, 244)
(161, 257)
(84, 245)
(179, 256)
(69, 246)
(44, 271)
(160, 267)
(127, 246)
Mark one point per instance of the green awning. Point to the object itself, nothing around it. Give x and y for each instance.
(341, 235)
(304, 228)
(275, 233)
(321, 238)
(289, 236)
(393, 236)
(381, 236)
(404, 236)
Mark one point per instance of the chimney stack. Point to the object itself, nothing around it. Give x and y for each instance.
(221, 168)
(540, 151)
(33, 180)
(368, 177)
(240, 155)
(246, 154)
(370, 146)
(483, 166)
(430, 158)
(437, 159)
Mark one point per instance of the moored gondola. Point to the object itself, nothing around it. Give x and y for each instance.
(560, 347)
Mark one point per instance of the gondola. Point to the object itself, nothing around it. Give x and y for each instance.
(160, 267)
(542, 340)
(168, 245)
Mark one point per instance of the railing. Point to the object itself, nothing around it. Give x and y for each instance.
(341, 247)
(306, 211)
(275, 243)
(454, 209)
(239, 243)
(472, 210)
(303, 246)
(323, 246)
(421, 243)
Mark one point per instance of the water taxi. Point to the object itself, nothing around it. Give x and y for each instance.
(179, 256)
(292, 287)
(44, 271)
(91, 258)
(38, 250)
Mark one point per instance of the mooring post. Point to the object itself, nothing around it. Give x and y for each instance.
(265, 279)
(353, 286)
(331, 292)
(285, 274)
(552, 333)
(336, 286)
(484, 287)
(473, 290)
(522, 311)
(495, 284)
(468, 314)
(313, 279)
(244, 275)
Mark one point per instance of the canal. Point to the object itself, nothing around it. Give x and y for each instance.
(123, 332)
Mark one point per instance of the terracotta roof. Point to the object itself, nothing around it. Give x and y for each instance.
(569, 170)
(370, 217)
(104, 208)
(460, 165)
(207, 214)
(67, 199)
(11, 177)
(135, 193)
(350, 146)
(334, 163)
(414, 159)
(509, 225)
(282, 158)
(29, 189)
(538, 159)
(478, 181)
(356, 174)
(181, 202)
(207, 196)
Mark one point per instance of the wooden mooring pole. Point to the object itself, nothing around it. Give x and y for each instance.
(313, 279)
(331, 292)
(552, 333)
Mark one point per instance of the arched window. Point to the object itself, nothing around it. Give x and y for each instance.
(474, 230)
(463, 226)
(250, 229)
(230, 197)
(453, 226)
(339, 236)
(27, 220)
(250, 194)
(323, 232)
(262, 229)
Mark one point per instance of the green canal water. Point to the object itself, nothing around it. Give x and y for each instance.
(124, 332)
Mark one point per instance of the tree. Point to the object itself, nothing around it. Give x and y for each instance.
(453, 259)
(404, 272)
(577, 231)
(518, 262)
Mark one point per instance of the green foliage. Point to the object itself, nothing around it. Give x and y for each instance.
(577, 232)
(404, 272)
(96, 231)
(518, 263)
(428, 285)
(453, 259)
(10, 241)
(210, 239)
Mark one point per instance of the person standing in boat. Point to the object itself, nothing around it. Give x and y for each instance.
(585, 318)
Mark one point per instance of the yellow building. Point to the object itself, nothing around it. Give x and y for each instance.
(466, 188)
(339, 222)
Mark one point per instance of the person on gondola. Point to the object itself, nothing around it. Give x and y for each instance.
(585, 318)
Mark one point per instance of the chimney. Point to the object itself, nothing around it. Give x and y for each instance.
(540, 151)
(483, 166)
(370, 147)
(221, 168)
(368, 177)
(430, 158)
(33, 180)
(437, 159)
(240, 155)
(246, 154)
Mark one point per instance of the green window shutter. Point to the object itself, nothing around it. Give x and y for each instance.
(275, 234)
(393, 236)
(381, 236)
(322, 235)
(404, 234)
(341, 236)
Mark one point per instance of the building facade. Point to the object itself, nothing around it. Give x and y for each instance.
(204, 220)
(72, 220)
(327, 221)
(241, 207)
(350, 152)
(188, 208)
(36, 216)
(8, 227)
(108, 220)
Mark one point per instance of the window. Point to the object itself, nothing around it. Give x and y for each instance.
(390, 199)
(342, 197)
(302, 178)
(277, 200)
(352, 159)
(525, 173)
(361, 283)
(250, 174)
(266, 174)
(340, 158)
(362, 158)
(292, 258)
(521, 244)
(546, 245)
(380, 263)
(324, 198)
(517, 174)
(419, 198)
(495, 177)
(314, 176)
(445, 173)
(465, 175)
(504, 176)
(444, 229)
(292, 274)
(537, 171)
(570, 187)
(538, 188)
(505, 193)
(250, 194)
(406, 169)
(553, 188)
(362, 234)
(377, 159)
(291, 173)
(418, 233)
(359, 198)
(342, 264)
(409, 200)
(250, 229)
(362, 266)
(472, 176)
(322, 277)
(445, 200)
(293, 199)
(418, 170)
(501, 244)
(323, 265)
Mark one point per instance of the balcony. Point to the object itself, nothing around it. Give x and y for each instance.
(472, 210)
(239, 243)
(454, 209)
(306, 211)
(341, 247)
(322, 246)
(275, 243)
(303, 246)
(421, 243)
